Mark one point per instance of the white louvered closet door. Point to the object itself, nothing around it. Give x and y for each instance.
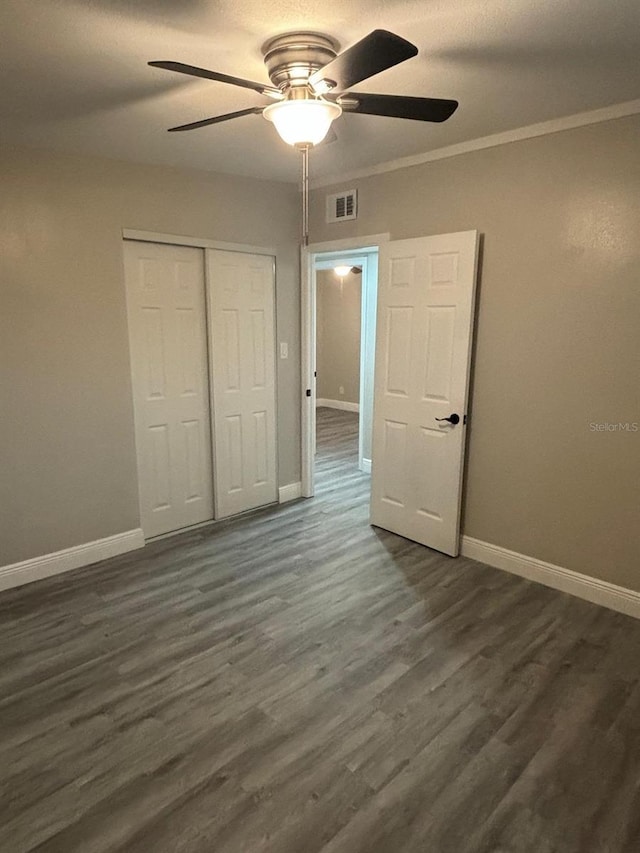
(241, 310)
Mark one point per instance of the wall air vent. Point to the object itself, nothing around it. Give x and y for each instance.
(342, 206)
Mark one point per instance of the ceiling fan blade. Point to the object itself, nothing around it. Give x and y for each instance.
(371, 55)
(398, 106)
(205, 122)
(193, 71)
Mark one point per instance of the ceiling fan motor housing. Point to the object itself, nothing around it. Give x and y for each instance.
(292, 58)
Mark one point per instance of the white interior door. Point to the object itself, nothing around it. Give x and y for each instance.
(167, 327)
(242, 295)
(426, 293)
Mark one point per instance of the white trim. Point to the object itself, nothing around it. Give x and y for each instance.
(368, 319)
(582, 586)
(290, 492)
(349, 258)
(343, 405)
(307, 370)
(365, 465)
(196, 242)
(68, 559)
(543, 128)
(362, 244)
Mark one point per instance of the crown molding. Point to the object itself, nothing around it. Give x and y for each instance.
(543, 128)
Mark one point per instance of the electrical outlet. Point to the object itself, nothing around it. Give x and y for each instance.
(284, 350)
(341, 389)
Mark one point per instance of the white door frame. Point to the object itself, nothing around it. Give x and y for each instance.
(308, 343)
(196, 242)
(204, 243)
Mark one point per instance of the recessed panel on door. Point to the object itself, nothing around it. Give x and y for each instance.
(399, 335)
(258, 350)
(393, 463)
(441, 325)
(188, 350)
(430, 472)
(159, 466)
(153, 377)
(261, 448)
(227, 350)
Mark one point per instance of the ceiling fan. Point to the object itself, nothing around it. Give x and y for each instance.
(312, 82)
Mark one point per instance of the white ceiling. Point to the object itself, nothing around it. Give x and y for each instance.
(75, 78)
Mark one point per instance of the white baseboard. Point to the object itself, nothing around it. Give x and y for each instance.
(290, 492)
(343, 405)
(37, 568)
(582, 586)
(366, 465)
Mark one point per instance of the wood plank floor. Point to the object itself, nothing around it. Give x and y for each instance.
(298, 681)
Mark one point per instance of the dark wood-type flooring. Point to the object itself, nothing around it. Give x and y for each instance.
(297, 681)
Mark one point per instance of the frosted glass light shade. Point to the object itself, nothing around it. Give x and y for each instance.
(303, 122)
(341, 271)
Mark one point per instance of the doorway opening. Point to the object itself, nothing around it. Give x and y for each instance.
(345, 318)
(339, 323)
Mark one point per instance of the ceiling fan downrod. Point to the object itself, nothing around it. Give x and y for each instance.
(304, 153)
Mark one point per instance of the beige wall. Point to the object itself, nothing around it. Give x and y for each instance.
(558, 334)
(338, 336)
(67, 455)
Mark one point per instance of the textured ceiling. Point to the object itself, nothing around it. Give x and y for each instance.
(75, 78)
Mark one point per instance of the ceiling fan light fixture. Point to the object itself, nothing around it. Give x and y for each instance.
(302, 122)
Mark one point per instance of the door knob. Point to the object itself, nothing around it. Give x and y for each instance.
(452, 419)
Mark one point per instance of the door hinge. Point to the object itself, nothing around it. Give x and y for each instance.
(464, 419)
(308, 392)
